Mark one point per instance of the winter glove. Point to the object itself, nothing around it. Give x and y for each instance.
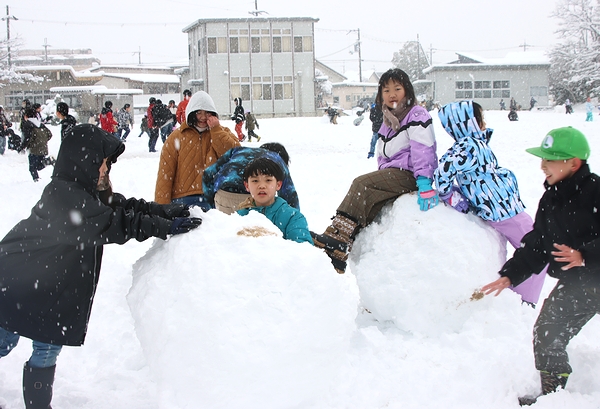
(427, 198)
(174, 210)
(184, 224)
(456, 199)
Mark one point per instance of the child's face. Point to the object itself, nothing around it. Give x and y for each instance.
(557, 170)
(392, 93)
(263, 188)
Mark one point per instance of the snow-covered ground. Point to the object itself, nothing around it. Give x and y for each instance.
(215, 320)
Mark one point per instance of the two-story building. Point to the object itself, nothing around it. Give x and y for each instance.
(268, 62)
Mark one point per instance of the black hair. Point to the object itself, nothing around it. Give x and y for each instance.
(108, 104)
(278, 149)
(187, 92)
(152, 100)
(399, 76)
(30, 112)
(172, 102)
(263, 166)
(478, 113)
(126, 106)
(36, 106)
(158, 102)
(191, 119)
(62, 108)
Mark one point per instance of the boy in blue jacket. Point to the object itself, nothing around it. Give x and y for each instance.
(263, 178)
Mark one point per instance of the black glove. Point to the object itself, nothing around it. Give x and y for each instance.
(184, 224)
(174, 210)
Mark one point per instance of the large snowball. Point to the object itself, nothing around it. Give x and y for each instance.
(230, 321)
(438, 258)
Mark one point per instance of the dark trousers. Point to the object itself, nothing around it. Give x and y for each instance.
(566, 310)
(370, 192)
(153, 133)
(36, 162)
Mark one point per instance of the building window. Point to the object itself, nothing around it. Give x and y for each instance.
(211, 45)
(538, 91)
(233, 45)
(240, 88)
(298, 44)
(276, 44)
(501, 89)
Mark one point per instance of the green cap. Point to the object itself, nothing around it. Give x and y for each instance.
(563, 143)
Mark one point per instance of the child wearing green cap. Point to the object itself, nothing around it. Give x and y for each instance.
(566, 234)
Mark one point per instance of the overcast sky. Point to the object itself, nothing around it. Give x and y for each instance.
(117, 30)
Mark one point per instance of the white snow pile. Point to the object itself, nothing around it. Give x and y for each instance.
(228, 320)
(440, 257)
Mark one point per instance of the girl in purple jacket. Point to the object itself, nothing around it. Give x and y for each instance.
(406, 160)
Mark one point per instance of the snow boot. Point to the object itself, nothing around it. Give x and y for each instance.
(550, 383)
(37, 386)
(337, 240)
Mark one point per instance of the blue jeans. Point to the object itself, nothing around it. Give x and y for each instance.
(165, 131)
(373, 142)
(2, 144)
(43, 356)
(36, 162)
(194, 200)
(120, 131)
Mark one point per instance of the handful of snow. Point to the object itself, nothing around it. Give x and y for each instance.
(439, 257)
(232, 320)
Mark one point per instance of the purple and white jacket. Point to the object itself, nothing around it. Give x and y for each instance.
(413, 148)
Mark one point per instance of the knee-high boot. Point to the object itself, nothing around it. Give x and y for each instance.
(37, 386)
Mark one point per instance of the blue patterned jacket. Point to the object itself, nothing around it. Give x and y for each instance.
(491, 190)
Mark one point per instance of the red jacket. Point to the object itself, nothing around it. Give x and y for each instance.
(180, 115)
(150, 117)
(107, 122)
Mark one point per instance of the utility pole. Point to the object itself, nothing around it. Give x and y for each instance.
(139, 53)
(46, 45)
(357, 49)
(525, 45)
(8, 18)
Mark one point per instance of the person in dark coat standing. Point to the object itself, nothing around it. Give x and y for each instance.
(67, 122)
(376, 117)
(50, 262)
(239, 117)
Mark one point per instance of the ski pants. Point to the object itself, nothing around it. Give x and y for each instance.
(153, 134)
(566, 310)
(513, 229)
(238, 130)
(370, 192)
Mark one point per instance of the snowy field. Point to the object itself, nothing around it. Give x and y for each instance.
(215, 320)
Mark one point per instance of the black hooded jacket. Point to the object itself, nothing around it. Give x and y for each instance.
(50, 262)
(567, 214)
(238, 115)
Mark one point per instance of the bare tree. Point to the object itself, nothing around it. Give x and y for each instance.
(411, 59)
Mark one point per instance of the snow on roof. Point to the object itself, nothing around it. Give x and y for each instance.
(115, 91)
(513, 58)
(77, 89)
(164, 78)
(75, 74)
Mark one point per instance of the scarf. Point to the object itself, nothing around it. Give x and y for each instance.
(393, 117)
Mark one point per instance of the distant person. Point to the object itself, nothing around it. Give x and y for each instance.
(251, 124)
(180, 114)
(502, 105)
(532, 103)
(7, 135)
(239, 117)
(263, 178)
(566, 235)
(144, 126)
(333, 114)
(376, 117)
(512, 115)
(163, 119)
(223, 181)
(67, 121)
(24, 106)
(107, 121)
(50, 262)
(153, 130)
(568, 106)
(35, 139)
(173, 108)
(589, 110)
(125, 121)
(470, 180)
(198, 143)
(513, 104)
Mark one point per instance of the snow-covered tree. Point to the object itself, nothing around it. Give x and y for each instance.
(575, 62)
(7, 73)
(411, 59)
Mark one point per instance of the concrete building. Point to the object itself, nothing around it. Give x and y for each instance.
(269, 62)
(520, 75)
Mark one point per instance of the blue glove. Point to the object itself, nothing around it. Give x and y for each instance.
(426, 197)
(184, 224)
(456, 199)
